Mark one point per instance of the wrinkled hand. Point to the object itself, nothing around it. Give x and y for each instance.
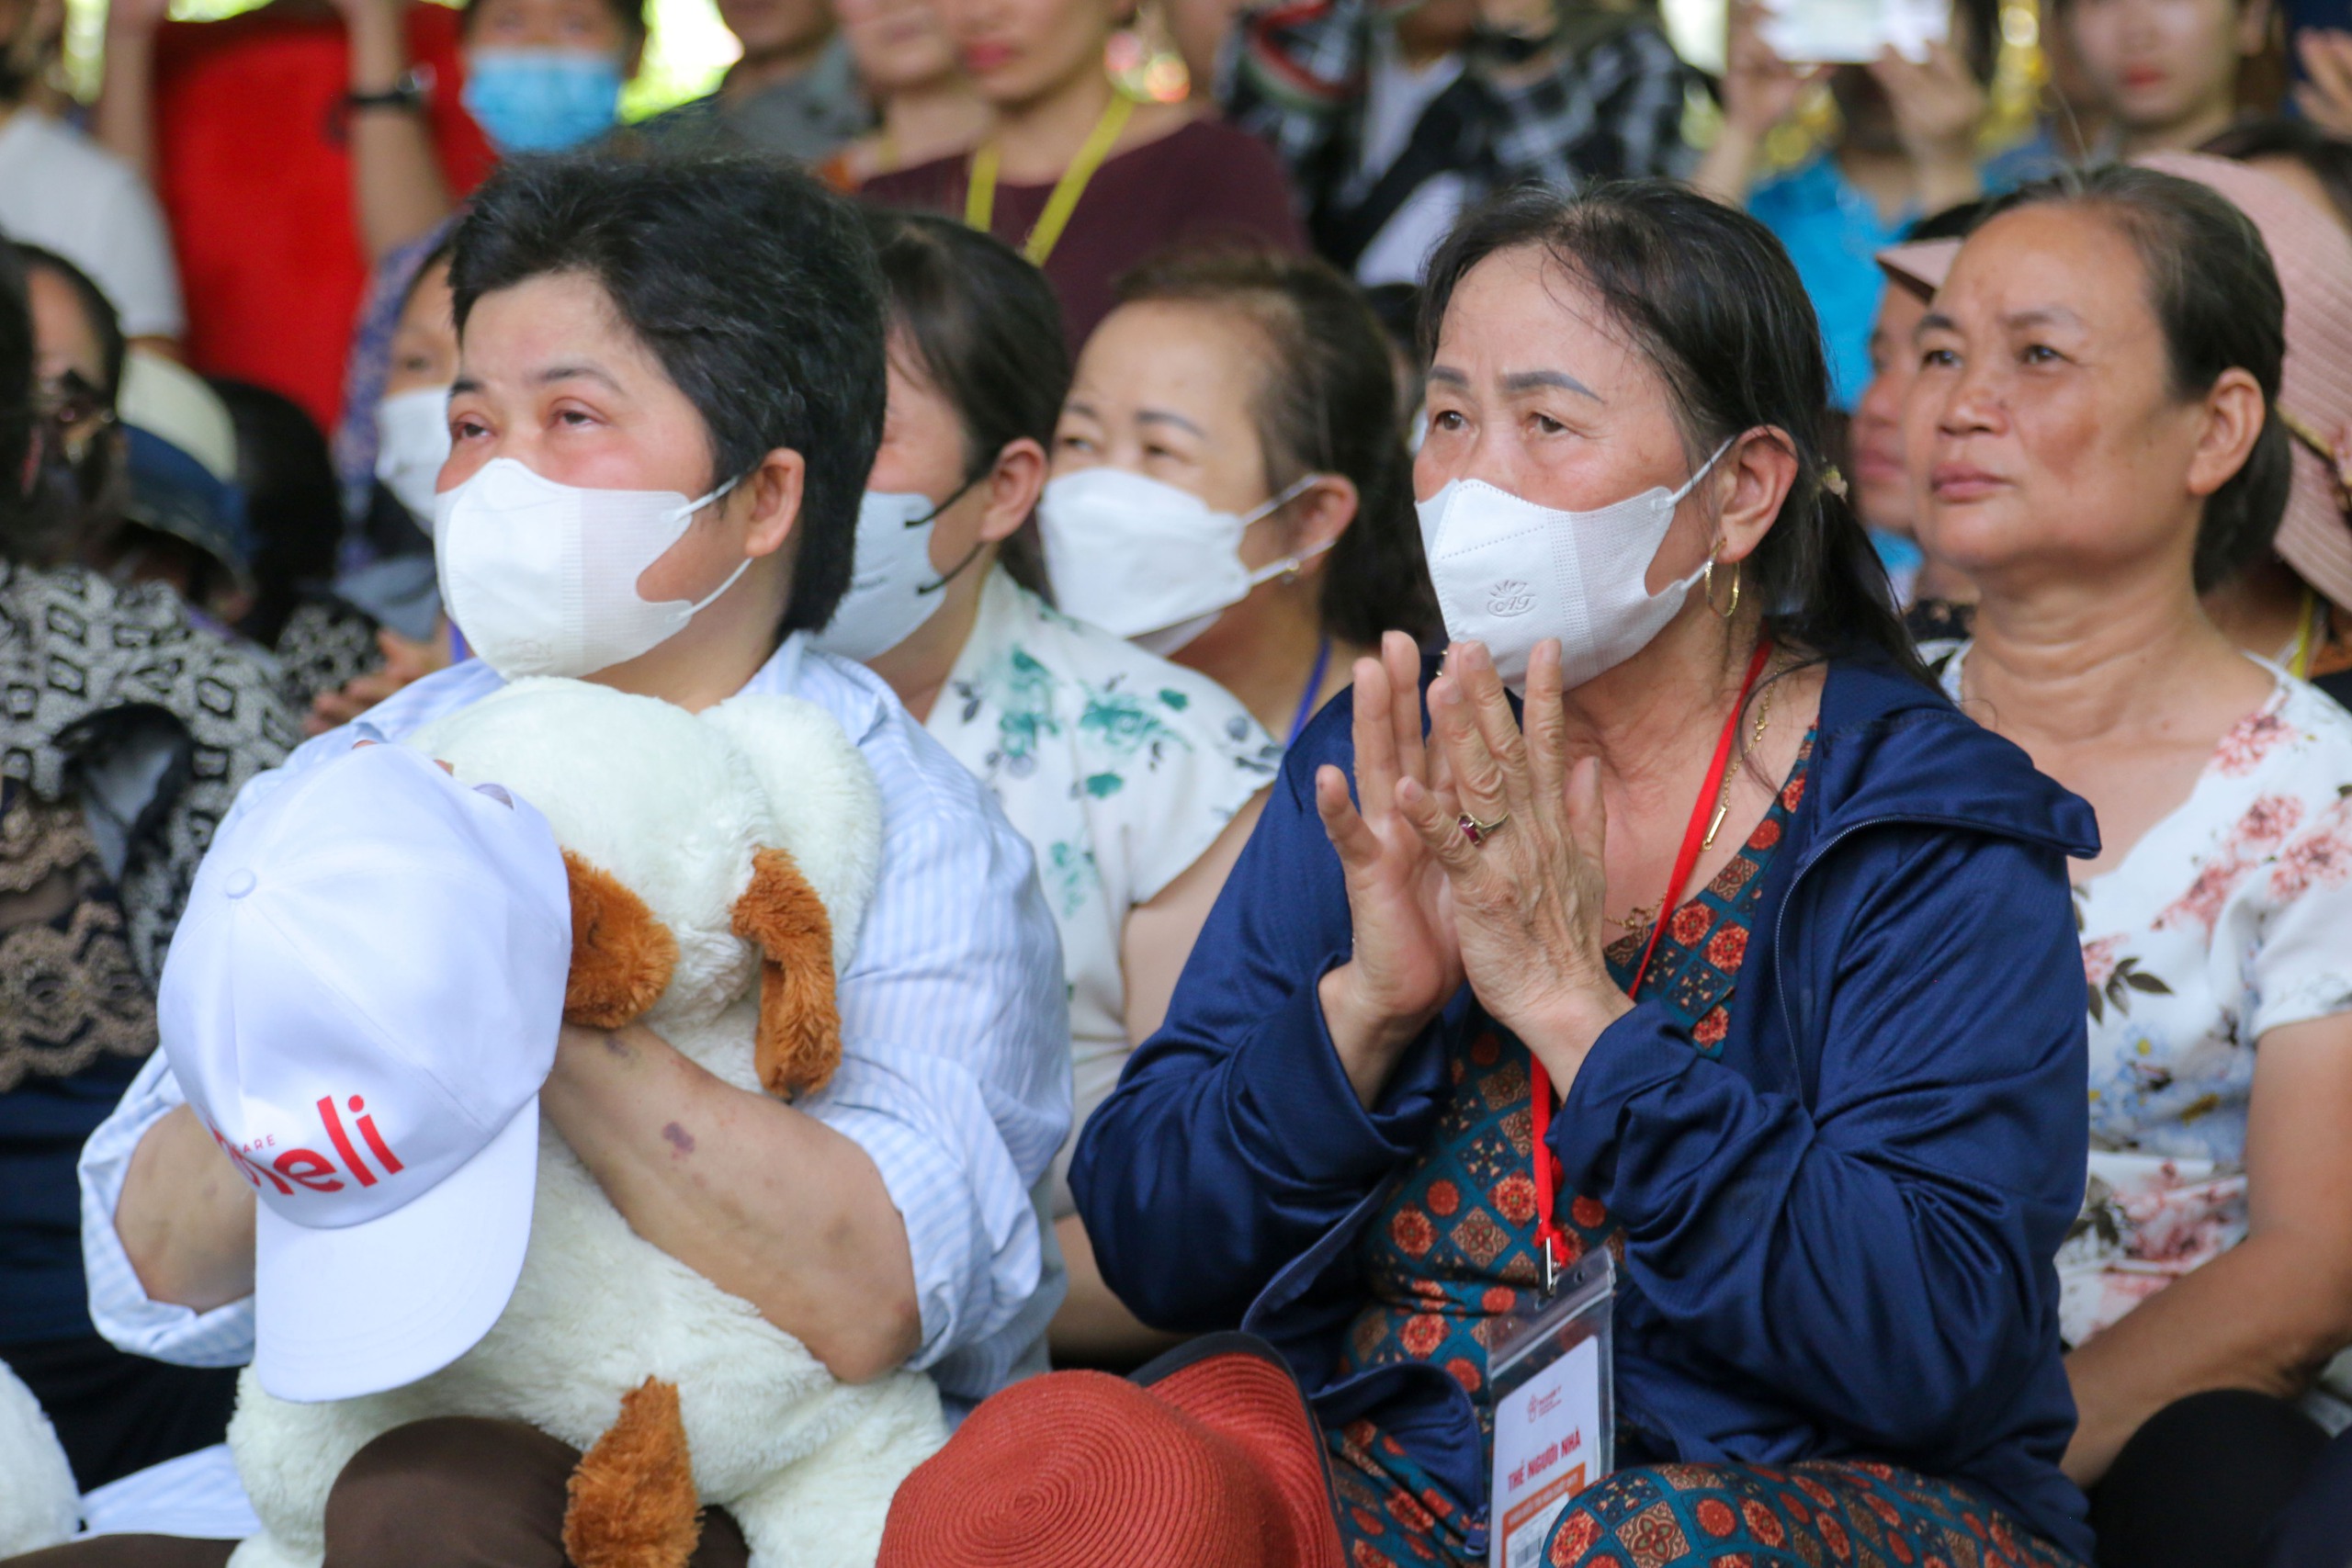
(404, 661)
(1406, 961)
(1527, 902)
(2325, 97)
(1760, 89)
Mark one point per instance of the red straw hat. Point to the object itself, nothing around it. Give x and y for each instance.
(1209, 1458)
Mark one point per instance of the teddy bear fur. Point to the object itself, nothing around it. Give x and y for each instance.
(674, 812)
(39, 1505)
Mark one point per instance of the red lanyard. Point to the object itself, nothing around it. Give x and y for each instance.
(1694, 837)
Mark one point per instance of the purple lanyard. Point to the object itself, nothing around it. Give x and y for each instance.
(1306, 698)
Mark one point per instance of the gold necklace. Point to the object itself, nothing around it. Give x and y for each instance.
(1642, 915)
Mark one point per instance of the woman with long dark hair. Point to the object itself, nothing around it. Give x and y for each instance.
(1730, 947)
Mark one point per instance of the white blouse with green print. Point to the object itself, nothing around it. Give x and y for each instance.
(1119, 768)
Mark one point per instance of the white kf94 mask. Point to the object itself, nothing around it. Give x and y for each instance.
(540, 578)
(892, 590)
(1510, 573)
(1146, 560)
(411, 443)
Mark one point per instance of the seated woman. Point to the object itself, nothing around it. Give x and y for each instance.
(1135, 781)
(684, 364)
(1230, 483)
(2093, 455)
(1818, 1072)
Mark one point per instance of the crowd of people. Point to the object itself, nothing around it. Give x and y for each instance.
(1458, 683)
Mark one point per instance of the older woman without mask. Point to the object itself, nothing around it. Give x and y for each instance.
(2294, 603)
(1745, 957)
(2093, 456)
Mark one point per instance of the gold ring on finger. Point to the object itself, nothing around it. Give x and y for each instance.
(1476, 831)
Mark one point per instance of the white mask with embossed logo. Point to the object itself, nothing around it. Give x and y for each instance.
(1510, 573)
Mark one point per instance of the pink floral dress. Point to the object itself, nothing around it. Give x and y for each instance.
(2230, 918)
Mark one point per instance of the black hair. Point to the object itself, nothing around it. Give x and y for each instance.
(16, 417)
(753, 285)
(2327, 159)
(987, 333)
(2215, 295)
(1952, 223)
(629, 14)
(1326, 404)
(105, 321)
(1707, 297)
(293, 501)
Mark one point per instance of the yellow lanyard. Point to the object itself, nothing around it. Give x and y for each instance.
(980, 193)
(2307, 638)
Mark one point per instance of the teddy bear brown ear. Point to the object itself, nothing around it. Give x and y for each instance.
(621, 955)
(799, 1041)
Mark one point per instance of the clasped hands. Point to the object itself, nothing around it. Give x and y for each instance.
(1515, 909)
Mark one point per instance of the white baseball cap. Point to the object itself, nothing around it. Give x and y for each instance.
(361, 1003)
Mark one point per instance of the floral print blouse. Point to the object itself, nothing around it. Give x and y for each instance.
(2230, 918)
(1119, 768)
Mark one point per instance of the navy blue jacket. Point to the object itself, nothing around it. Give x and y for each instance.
(1839, 1235)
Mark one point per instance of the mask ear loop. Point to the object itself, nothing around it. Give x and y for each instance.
(1287, 567)
(953, 572)
(1708, 572)
(740, 566)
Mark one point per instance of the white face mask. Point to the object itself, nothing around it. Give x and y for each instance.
(1510, 573)
(411, 443)
(892, 591)
(1146, 559)
(540, 578)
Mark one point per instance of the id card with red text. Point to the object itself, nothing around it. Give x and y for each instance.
(1554, 1435)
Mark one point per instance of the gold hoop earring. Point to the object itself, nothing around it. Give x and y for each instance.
(1708, 586)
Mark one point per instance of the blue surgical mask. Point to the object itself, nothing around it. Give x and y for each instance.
(541, 100)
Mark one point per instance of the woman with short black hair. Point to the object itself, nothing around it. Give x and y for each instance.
(1137, 781)
(669, 389)
(1785, 934)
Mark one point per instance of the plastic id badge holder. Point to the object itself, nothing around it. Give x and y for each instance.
(1554, 1422)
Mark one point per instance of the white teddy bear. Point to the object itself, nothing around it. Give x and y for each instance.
(37, 1504)
(706, 851)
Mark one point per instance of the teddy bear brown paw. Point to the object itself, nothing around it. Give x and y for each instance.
(633, 1501)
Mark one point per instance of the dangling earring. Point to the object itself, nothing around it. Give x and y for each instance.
(1707, 585)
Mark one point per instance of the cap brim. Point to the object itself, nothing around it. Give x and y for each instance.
(358, 1309)
(1238, 1385)
(1919, 265)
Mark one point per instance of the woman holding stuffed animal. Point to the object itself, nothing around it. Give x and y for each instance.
(678, 368)
(1742, 956)
(1137, 781)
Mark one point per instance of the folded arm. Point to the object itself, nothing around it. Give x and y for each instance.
(2269, 1313)
(1883, 1255)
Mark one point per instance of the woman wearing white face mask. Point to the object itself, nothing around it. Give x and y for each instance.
(1745, 961)
(381, 627)
(1136, 781)
(670, 392)
(1230, 484)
